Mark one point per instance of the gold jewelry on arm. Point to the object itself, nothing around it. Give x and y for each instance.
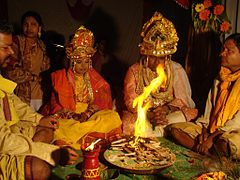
(56, 115)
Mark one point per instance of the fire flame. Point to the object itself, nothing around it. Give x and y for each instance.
(141, 124)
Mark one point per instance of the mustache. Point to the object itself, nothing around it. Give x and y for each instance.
(4, 62)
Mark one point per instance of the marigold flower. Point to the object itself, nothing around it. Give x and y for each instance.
(225, 26)
(199, 7)
(204, 15)
(218, 9)
(207, 3)
(208, 16)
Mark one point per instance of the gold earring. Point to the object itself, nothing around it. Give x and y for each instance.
(146, 62)
(169, 57)
(90, 64)
(39, 34)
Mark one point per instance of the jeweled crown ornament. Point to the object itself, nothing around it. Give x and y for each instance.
(81, 44)
(159, 37)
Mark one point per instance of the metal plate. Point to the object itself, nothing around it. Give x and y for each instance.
(130, 165)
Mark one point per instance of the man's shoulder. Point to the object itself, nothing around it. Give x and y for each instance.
(134, 66)
(176, 65)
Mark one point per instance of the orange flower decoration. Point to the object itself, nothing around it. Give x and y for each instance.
(217, 175)
(225, 26)
(218, 9)
(204, 15)
(207, 3)
(210, 15)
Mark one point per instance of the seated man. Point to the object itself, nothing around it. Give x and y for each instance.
(219, 130)
(171, 102)
(81, 98)
(23, 153)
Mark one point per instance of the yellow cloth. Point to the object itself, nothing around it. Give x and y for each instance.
(71, 130)
(81, 107)
(16, 140)
(12, 167)
(228, 99)
(8, 86)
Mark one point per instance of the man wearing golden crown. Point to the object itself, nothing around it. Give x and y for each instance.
(81, 98)
(170, 102)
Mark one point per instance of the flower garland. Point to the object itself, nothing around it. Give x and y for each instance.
(210, 15)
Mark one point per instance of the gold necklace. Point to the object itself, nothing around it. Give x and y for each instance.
(161, 95)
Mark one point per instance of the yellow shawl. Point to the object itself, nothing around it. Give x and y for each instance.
(228, 99)
(7, 87)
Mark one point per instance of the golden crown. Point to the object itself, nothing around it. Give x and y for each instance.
(159, 37)
(81, 44)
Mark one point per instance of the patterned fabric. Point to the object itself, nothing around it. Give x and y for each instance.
(81, 90)
(26, 64)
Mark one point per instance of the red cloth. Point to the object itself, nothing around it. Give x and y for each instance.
(63, 94)
(183, 3)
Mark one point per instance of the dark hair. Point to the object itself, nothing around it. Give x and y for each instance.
(236, 38)
(33, 14)
(5, 27)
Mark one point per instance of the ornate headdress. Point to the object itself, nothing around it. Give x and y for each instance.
(81, 44)
(159, 37)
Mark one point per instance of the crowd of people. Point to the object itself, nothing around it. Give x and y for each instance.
(81, 109)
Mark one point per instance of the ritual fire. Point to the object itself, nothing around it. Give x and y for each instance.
(141, 123)
(139, 151)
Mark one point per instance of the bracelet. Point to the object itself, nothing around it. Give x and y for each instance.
(88, 114)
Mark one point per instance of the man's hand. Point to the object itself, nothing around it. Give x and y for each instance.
(80, 117)
(65, 156)
(68, 156)
(48, 122)
(65, 114)
(202, 137)
(205, 141)
(205, 146)
(157, 116)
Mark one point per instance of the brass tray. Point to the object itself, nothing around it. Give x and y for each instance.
(130, 165)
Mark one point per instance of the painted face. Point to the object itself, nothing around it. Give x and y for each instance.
(31, 27)
(5, 47)
(82, 65)
(230, 56)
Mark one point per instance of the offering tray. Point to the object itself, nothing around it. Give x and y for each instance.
(146, 157)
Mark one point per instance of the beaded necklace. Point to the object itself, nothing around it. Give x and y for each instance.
(162, 95)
